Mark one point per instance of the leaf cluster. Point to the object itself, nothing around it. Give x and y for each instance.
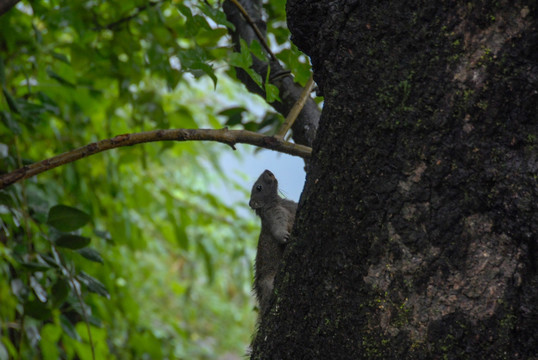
(131, 253)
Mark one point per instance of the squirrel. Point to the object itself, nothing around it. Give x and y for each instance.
(277, 216)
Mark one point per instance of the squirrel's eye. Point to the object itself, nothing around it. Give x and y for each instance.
(259, 188)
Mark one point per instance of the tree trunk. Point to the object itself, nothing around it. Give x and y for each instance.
(6, 5)
(416, 234)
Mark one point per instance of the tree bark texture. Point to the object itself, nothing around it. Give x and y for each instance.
(416, 234)
(6, 5)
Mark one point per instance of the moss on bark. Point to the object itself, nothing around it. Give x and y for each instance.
(416, 232)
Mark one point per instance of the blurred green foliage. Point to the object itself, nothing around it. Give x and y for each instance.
(129, 254)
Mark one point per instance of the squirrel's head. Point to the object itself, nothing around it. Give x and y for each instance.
(264, 191)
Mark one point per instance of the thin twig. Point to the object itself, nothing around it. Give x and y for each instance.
(21, 337)
(297, 107)
(255, 28)
(84, 314)
(229, 137)
(128, 18)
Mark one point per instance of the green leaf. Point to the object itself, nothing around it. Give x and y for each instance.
(48, 104)
(38, 35)
(271, 93)
(183, 9)
(179, 231)
(10, 123)
(19, 289)
(50, 334)
(37, 310)
(34, 266)
(38, 290)
(255, 76)
(91, 254)
(52, 262)
(3, 352)
(60, 79)
(73, 242)
(240, 59)
(234, 115)
(102, 234)
(243, 60)
(66, 218)
(4, 153)
(68, 328)
(2, 73)
(11, 350)
(251, 126)
(207, 260)
(297, 63)
(11, 101)
(30, 111)
(60, 290)
(257, 50)
(207, 69)
(271, 119)
(61, 57)
(216, 15)
(93, 284)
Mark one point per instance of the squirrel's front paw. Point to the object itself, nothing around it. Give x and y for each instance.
(285, 237)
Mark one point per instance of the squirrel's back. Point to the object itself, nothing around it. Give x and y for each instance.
(277, 217)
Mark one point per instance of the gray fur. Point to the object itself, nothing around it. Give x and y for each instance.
(277, 216)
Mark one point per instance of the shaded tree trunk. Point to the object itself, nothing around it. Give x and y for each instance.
(416, 234)
(6, 5)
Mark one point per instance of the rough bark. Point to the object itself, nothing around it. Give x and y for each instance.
(305, 127)
(416, 233)
(6, 5)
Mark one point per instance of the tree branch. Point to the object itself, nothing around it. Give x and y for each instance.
(297, 107)
(306, 125)
(137, 12)
(229, 137)
(259, 34)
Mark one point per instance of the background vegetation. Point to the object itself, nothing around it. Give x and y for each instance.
(129, 254)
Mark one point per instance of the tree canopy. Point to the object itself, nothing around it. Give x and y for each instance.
(131, 253)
